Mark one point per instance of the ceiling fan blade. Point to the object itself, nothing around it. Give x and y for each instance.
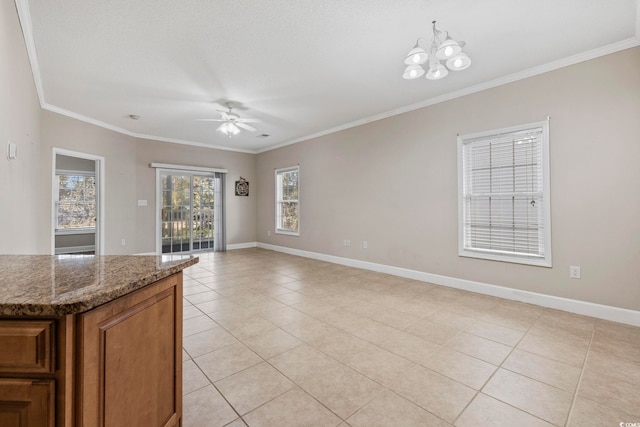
(246, 127)
(211, 120)
(248, 120)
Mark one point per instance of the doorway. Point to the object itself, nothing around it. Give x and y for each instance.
(191, 211)
(77, 203)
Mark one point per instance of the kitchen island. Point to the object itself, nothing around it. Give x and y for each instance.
(91, 340)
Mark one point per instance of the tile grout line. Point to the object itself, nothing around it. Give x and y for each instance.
(219, 392)
(301, 388)
(384, 387)
(261, 292)
(242, 370)
(497, 369)
(296, 385)
(582, 371)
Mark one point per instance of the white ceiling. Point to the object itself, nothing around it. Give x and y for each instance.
(303, 67)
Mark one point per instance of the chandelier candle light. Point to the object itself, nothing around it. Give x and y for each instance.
(448, 50)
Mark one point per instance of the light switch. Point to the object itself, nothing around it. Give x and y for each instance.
(12, 151)
(142, 203)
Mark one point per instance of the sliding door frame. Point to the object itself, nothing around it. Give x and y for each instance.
(176, 169)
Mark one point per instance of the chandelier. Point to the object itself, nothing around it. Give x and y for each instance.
(447, 50)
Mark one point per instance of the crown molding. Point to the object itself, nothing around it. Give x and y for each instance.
(80, 117)
(24, 15)
(638, 20)
(531, 72)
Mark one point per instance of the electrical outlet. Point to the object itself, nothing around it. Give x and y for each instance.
(123, 242)
(346, 242)
(268, 232)
(365, 245)
(574, 271)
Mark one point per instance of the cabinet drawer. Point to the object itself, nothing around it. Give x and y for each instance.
(27, 346)
(27, 403)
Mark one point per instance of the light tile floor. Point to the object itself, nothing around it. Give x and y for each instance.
(276, 340)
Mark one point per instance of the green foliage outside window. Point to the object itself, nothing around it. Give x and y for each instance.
(76, 205)
(288, 203)
(179, 216)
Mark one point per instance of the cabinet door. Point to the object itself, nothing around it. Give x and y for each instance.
(27, 403)
(131, 361)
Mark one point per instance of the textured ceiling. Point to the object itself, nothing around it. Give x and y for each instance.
(303, 67)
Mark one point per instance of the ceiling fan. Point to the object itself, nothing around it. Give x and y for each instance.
(231, 122)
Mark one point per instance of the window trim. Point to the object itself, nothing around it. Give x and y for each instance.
(278, 230)
(493, 255)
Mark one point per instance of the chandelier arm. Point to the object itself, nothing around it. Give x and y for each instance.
(418, 41)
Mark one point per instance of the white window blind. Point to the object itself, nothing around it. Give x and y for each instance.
(504, 196)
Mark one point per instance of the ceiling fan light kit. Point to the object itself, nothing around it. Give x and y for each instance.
(228, 129)
(448, 50)
(232, 123)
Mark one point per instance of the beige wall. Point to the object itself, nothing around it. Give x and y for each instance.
(129, 179)
(25, 183)
(20, 124)
(119, 152)
(69, 163)
(393, 183)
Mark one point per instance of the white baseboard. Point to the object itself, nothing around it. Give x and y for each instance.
(246, 245)
(230, 247)
(606, 312)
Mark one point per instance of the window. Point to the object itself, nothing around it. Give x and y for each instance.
(287, 201)
(503, 195)
(76, 201)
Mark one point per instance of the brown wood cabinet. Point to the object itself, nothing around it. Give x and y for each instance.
(130, 359)
(119, 364)
(26, 403)
(27, 346)
(27, 373)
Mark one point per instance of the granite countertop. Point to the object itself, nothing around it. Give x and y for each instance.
(47, 285)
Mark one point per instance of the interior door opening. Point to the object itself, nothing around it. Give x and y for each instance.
(77, 204)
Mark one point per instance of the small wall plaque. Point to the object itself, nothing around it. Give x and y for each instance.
(242, 187)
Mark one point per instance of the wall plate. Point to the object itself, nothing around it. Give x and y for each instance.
(12, 151)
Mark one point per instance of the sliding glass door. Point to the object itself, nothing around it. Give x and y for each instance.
(191, 212)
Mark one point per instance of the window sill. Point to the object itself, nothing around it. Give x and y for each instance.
(492, 256)
(71, 231)
(288, 233)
